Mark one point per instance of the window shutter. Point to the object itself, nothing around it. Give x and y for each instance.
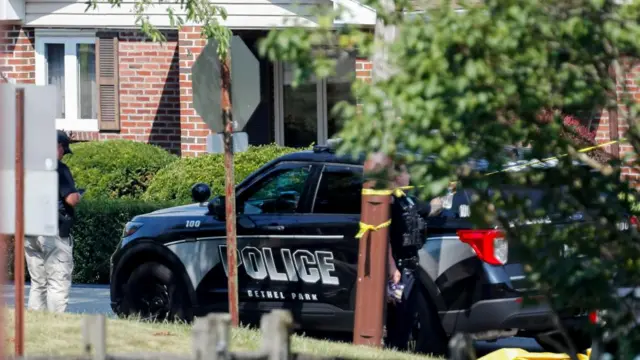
(107, 79)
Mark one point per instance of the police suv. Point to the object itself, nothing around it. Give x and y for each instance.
(297, 218)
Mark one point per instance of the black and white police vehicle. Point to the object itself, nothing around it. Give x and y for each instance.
(297, 218)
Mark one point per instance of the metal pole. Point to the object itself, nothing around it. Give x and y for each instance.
(230, 193)
(19, 236)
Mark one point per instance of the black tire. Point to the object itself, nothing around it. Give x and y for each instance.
(153, 292)
(427, 334)
(581, 341)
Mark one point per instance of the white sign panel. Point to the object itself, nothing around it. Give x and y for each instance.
(40, 160)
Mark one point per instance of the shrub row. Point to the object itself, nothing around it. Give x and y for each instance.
(123, 169)
(123, 179)
(173, 183)
(116, 169)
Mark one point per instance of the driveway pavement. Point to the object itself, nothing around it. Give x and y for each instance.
(88, 299)
(94, 299)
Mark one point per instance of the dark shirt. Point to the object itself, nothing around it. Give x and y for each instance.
(66, 212)
(407, 228)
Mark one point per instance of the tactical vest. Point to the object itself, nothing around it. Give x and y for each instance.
(408, 226)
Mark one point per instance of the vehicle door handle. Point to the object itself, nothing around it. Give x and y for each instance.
(273, 227)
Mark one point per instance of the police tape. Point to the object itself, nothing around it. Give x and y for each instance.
(399, 191)
(368, 227)
(521, 354)
(396, 191)
(536, 161)
(532, 162)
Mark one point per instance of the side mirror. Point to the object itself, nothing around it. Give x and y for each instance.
(216, 207)
(200, 193)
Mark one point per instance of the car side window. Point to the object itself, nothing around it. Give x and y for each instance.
(278, 193)
(339, 191)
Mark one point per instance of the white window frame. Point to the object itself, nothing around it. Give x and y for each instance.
(321, 106)
(70, 39)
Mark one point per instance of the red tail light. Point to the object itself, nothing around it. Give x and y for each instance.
(634, 221)
(593, 317)
(489, 245)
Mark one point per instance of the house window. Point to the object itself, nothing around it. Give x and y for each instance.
(300, 110)
(69, 63)
(304, 115)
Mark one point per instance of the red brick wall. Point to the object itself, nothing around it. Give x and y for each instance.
(363, 69)
(630, 81)
(149, 92)
(17, 54)
(156, 99)
(193, 130)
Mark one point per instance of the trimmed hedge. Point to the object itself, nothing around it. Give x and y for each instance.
(116, 169)
(174, 182)
(96, 232)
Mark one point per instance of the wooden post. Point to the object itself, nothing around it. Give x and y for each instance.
(94, 336)
(373, 246)
(276, 333)
(211, 337)
(18, 257)
(372, 263)
(230, 191)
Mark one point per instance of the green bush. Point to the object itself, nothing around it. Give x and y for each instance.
(116, 169)
(96, 232)
(174, 182)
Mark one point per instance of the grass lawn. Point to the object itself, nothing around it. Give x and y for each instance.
(60, 334)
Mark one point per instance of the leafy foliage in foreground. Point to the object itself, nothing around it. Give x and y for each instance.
(465, 84)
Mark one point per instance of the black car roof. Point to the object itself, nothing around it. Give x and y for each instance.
(321, 154)
(326, 154)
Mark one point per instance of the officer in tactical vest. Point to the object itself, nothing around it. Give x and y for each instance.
(407, 234)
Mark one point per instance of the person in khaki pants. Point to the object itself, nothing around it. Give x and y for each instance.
(49, 259)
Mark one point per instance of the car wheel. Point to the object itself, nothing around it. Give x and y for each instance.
(581, 341)
(153, 292)
(427, 335)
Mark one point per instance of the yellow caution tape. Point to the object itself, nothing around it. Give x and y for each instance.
(532, 162)
(367, 227)
(520, 354)
(397, 191)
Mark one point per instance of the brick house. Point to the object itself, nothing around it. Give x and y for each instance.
(114, 83)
